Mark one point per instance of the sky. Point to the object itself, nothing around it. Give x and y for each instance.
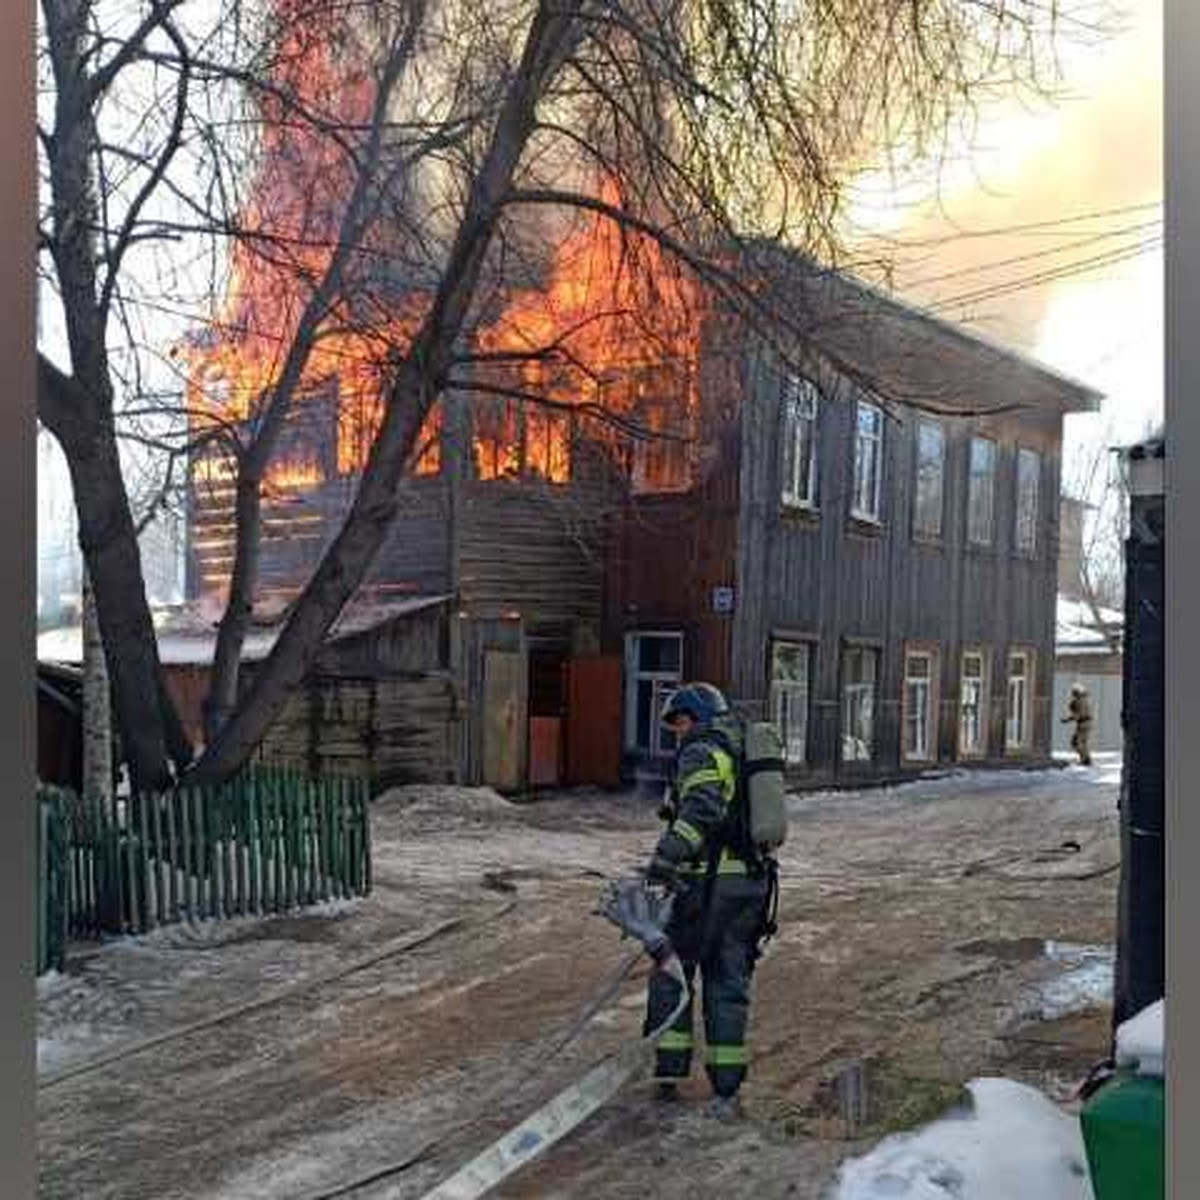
(1096, 150)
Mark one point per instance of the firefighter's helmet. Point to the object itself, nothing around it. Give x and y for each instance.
(700, 701)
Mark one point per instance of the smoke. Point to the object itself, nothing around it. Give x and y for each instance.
(1095, 150)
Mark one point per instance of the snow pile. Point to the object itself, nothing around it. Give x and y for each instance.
(1140, 1042)
(444, 801)
(1014, 1144)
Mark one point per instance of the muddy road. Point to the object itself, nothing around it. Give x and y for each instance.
(929, 934)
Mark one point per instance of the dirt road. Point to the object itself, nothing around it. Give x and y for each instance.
(930, 934)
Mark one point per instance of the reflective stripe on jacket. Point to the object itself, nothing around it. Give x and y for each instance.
(706, 784)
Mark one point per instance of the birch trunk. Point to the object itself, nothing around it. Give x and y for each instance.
(97, 706)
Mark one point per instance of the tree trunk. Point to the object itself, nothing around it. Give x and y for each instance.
(97, 709)
(239, 608)
(553, 35)
(149, 727)
(78, 410)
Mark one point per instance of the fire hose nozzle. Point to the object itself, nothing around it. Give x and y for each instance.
(640, 911)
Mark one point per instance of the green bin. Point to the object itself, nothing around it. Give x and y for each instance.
(1123, 1133)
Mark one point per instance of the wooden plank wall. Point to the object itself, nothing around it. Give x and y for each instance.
(665, 554)
(299, 526)
(531, 548)
(393, 731)
(382, 704)
(828, 577)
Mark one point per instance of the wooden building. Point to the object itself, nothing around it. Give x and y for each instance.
(60, 725)
(855, 533)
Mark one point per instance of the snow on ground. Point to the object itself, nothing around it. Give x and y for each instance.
(1105, 769)
(113, 989)
(1012, 1144)
(1088, 982)
(1140, 1041)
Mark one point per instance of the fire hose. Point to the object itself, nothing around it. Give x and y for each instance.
(639, 912)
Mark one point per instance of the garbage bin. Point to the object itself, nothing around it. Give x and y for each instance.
(1123, 1133)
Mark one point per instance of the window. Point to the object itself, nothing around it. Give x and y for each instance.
(661, 461)
(656, 399)
(981, 491)
(1016, 734)
(972, 705)
(931, 458)
(653, 669)
(919, 723)
(514, 440)
(859, 671)
(790, 663)
(1029, 468)
(868, 463)
(799, 442)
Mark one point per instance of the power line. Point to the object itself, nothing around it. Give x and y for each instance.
(1041, 279)
(1048, 252)
(1049, 226)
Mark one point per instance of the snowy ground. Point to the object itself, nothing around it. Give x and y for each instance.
(1009, 1142)
(932, 934)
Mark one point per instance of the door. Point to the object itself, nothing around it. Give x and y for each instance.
(547, 708)
(594, 720)
(504, 725)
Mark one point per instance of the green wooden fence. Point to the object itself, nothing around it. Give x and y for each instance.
(267, 842)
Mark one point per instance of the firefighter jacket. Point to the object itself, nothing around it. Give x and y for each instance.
(704, 791)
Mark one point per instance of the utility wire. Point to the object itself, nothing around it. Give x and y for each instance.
(1047, 252)
(1050, 226)
(1041, 279)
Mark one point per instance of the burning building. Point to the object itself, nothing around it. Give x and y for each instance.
(623, 485)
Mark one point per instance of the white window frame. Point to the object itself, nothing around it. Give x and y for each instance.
(662, 684)
(973, 687)
(790, 699)
(1018, 714)
(868, 463)
(986, 515)
(857, 696)
(1028, 502)
(801, 405)
(920, 707)
(920, 531)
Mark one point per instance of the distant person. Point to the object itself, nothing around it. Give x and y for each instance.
(1079, 710)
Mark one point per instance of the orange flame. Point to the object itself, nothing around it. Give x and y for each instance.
(608, 345)
(618, 331)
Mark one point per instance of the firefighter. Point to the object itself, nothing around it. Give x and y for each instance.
(718, 914)
(1079, 710)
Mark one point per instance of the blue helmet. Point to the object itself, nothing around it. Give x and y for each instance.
(700, 701)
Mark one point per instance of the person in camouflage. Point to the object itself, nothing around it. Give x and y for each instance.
(719, 900)
(1079, 710)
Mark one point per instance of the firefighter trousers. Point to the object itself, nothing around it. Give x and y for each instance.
(722, 943)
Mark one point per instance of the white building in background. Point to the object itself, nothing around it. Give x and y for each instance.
(1085, 653)
(1087, 642)
(59, 563)
(59, 571)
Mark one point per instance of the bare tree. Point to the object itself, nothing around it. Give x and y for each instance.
(692, 127)
(1098, 481)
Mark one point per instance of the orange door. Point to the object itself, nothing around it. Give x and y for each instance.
(594, 720)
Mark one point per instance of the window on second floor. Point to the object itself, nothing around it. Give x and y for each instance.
(931, 460)
(799, 489)
(981, 491)
(868, 462)
(1029, 468)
